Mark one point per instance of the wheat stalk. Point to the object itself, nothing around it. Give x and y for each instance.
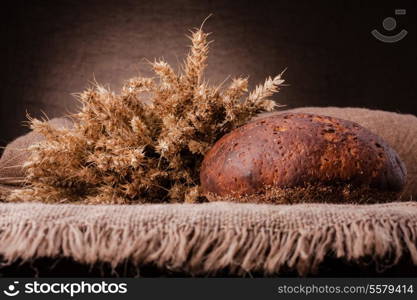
(123, 149)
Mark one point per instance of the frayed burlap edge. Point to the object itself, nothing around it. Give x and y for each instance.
(207, 238)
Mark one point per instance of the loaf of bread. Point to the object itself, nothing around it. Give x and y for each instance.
(298, 157)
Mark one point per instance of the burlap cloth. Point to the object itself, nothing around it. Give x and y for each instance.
(208, 238)
(16, 153)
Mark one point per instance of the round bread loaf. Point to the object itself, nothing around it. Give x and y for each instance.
(297, 157)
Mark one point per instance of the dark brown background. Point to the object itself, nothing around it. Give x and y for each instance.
(51, 49)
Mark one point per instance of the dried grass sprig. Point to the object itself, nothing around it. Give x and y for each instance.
(123, 149)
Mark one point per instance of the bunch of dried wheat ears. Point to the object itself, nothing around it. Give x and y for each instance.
(146, 143)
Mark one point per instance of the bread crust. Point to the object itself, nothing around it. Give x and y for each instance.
(301, 154)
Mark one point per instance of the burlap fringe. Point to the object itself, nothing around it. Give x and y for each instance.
(204, 250)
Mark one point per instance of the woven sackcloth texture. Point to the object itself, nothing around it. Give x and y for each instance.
(399, 130)
(16, 153)
(206, 238)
